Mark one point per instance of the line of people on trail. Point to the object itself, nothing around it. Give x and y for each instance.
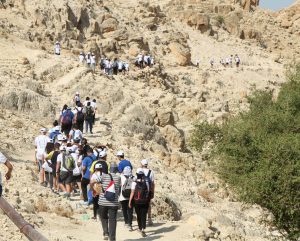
(107, 66)
(69, 165)
(143, 61)
(225, 62)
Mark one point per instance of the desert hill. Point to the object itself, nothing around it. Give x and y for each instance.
(148, 113)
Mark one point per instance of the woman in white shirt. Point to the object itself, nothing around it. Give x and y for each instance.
(96, 187)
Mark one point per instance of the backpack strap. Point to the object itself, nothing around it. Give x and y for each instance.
(149, 173)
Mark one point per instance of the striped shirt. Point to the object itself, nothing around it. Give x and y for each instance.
(105, 182)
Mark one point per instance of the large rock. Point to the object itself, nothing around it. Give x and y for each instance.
(174, 136)
(164, 117)
(248, 5)
(180, 54)
(109, 25)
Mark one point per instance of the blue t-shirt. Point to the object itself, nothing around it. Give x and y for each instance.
(87, 162)
(123, 164)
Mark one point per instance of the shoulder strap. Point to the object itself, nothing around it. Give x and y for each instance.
(148, 175)
(111, 178)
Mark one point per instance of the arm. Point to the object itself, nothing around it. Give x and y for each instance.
(130, 199)
(10, 168)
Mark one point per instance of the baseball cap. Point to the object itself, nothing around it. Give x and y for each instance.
(127, 171)
(120, 153)
(43, 130)
(98, 166)
(102, 154)
(144, 162)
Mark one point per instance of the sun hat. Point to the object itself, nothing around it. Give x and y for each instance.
(102, 154)
(43, 130)
(144, 162)
(98, 166)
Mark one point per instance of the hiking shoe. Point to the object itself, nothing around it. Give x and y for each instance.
(130, 228)
(105, 237)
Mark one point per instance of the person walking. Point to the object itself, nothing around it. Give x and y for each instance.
(140, 193)
(108, 202)
(40, 149)
(3, 160)
(66, 121)
(126, 183)
(96, 187)
(57, 48)
(85, 181)
(88, 117)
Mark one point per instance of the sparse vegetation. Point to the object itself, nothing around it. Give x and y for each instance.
(220, 20)
(258, 152)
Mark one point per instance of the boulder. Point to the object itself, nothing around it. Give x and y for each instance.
(109, 25)
(223, 9)
(164, 117)
(173, 136)
(180, 54)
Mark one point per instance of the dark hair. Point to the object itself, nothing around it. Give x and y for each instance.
(140, 176)
(56, 145)
(64, 107)
(88, 104)
(55, 123)
(49, 147)
(94, 100)
(87, 98)
(84, 141)
(89, 150)
(75, 126)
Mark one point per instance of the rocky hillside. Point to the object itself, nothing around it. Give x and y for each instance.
(147, 113)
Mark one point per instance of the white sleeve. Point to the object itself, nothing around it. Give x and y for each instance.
(152, 176)
(3, 159)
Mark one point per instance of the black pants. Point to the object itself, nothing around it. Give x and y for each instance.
(127, 212)
(84, 183)
(141, 213)
(80, 125)
(95, 205)
(108, 217)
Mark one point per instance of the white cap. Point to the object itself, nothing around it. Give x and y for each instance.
(102, 154)
(98, 166)
(43, 130)
(140, 171)
(120, 153)
(69, 149)
(127, 171)
(62, 148)
(77, 93)
(144, 162)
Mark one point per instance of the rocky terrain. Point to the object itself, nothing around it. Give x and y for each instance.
(148, 113)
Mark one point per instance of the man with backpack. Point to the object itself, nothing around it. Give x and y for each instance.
(122, 161)
(66, 121)
(54, 134)
(75, 133)
(79, 118)
(140, 194)
(86, 166)
(64, 170)
(149, 177)
(108, 202)
(126, 183)
(88, 117)
(3, 160)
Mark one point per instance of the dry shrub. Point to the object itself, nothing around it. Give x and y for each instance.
(41, 205)
(66, 211)
(206, 194)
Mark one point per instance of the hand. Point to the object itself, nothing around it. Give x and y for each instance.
(8, 175)
(129, 205)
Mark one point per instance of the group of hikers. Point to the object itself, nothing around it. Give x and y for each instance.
(144, 60)
(225, 62)
(68, 165)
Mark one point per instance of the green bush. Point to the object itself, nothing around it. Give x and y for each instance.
(258, 152)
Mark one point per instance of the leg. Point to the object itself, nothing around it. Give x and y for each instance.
(103, 213)
(84, 184)
(130, 215)
(95, 205)
(138, 216)
(47, 179)
(86, 126)
(91, 125)
(144, 210)
(112, 215)
(125, 210)
(51, 179)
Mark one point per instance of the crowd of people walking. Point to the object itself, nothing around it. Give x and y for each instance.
(69, 165)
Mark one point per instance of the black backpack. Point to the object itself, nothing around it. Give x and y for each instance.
(141, 193)
(79, 117)
(89, 111)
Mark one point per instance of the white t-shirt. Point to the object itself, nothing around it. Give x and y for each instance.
(123, 180)
(76, 134)
(81, 58)
(85, 103)
(120, 65)
(146, 171)
(93, 59)
(57, 48)
(60, 160)
(96, 177)
(3, 159)
(40, 143)
(94, 105)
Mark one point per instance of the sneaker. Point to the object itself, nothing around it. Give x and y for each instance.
(143, 234)
(84, 203)
(105, 237)
(130, 228)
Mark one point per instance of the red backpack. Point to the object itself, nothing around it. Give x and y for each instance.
(141, 192)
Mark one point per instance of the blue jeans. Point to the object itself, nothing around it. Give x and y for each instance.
(89, 125)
